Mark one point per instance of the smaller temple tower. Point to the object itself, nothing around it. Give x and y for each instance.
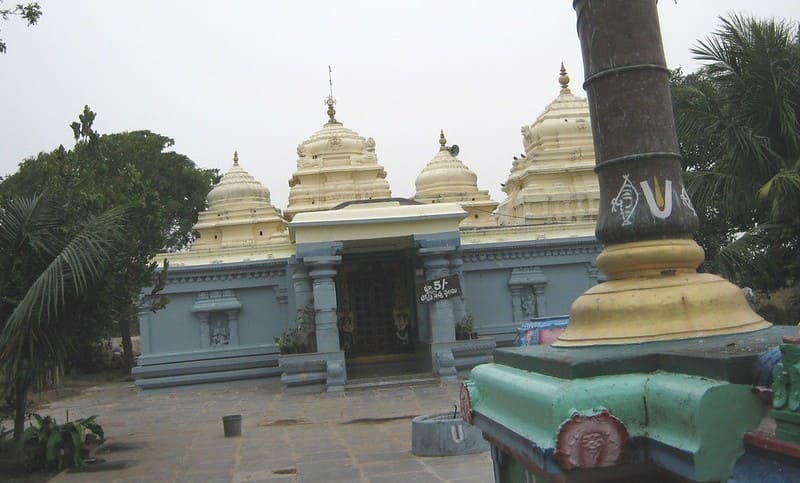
(239, 214)
(445, 179)
(554, 181)
(335, 165)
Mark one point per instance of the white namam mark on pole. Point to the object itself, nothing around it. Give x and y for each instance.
(687, 202)
(457, 433)
(660, 204)
(626, 201)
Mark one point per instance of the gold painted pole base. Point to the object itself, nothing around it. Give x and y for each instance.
(654, 294)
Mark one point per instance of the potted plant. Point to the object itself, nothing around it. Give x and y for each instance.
(465, 329)
(301, 338)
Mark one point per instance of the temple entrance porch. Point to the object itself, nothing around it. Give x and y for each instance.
(377, 313)
(361, 265)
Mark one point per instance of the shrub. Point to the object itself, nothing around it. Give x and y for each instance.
(55, 446)
(302, 338)
(465, 329)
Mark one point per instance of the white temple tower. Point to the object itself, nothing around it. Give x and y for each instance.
(554, 182)
(239, 214)
(335, 165)
(445, 179)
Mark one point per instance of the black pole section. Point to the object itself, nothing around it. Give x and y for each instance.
(638, 163)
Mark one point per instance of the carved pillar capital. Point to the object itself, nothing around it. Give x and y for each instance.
(322, 267)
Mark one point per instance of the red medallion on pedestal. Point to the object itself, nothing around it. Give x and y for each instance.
(466, 406)
(593, 441)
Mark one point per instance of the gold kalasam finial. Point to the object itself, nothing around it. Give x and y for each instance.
(236, 158)
(442, 141)
(563, 79)
(331, 111)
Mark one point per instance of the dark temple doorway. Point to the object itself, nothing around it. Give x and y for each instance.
(376, 306)
(377, 313)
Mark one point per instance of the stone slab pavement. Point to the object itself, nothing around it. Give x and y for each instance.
(176, 435)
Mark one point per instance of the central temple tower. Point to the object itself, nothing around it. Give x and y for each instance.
(335, 165)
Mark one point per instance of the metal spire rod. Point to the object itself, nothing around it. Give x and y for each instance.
(330, 80)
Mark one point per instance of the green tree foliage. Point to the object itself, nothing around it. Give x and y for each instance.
(161, 193)
(46, 264)
(30, 12)
(738, 122)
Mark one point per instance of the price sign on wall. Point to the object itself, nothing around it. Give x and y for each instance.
(439, 289)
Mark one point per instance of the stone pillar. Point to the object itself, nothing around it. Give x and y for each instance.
(440, 314)
(459, 305)
(282, 297)
(635, 143)
(233, 326)
(541, 300)
(323, 269)
(517, 314)
(646, 218)
(205, 329)
(302, 286)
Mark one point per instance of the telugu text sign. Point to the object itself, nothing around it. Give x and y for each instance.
(439, 289)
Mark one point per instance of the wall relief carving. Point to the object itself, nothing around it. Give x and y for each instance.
(218, 312)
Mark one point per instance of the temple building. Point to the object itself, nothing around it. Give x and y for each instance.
(432, 283)
(554, 181)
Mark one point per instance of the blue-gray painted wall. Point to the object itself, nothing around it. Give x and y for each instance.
(172, 349)
(566, 264)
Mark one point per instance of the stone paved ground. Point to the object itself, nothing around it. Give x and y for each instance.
(175, 435)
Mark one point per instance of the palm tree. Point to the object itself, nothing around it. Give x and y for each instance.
(43, 266)
(738, 121)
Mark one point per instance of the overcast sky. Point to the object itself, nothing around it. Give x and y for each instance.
(252, 76)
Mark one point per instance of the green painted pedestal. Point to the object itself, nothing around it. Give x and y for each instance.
(661, 411)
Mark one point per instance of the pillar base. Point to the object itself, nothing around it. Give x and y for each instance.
(654, 294)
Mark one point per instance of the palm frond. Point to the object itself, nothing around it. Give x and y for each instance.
(26, 221)
(782, 192)
(27, 333)
(727, 192)
(743, 257)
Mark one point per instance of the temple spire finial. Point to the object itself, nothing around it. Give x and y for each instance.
(563, 79)
(442, 141)
(236, 158)
(330, 101)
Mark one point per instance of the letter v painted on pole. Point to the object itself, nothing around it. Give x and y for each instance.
(660, 203)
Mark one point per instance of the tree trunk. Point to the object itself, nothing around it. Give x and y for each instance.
(20, 404)
(127, 345)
